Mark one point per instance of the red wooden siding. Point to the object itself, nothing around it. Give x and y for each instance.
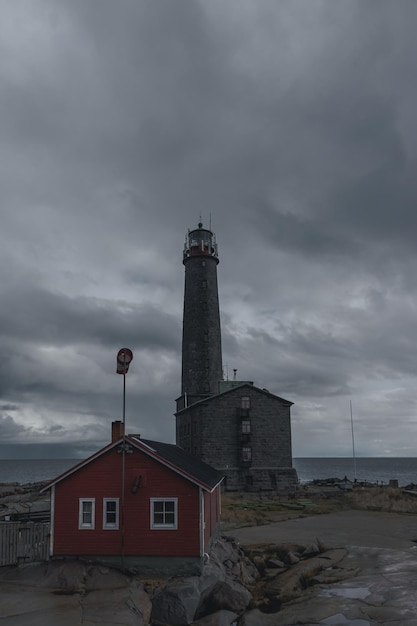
(102, 478)
(211, 514)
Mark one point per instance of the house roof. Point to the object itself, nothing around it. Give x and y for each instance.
(170, 455)
(231, 390)
(188, 465)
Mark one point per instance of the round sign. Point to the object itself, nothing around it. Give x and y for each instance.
(125, 355)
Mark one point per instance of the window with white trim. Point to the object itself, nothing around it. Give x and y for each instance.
(245, 402)
(86, 513)
(111, 513)
(164, 513)
(246, 427)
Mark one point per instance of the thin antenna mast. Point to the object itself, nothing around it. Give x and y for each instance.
(353, 441)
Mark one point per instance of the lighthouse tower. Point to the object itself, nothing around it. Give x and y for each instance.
(201, 339)
(239, 429)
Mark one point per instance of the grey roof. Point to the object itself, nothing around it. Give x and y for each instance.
(233, 388)
(189, 465)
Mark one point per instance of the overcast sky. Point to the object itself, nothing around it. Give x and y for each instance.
(292, 125)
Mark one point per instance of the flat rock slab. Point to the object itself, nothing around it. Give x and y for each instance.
(68, 593)
(384, 592)
(382, 556)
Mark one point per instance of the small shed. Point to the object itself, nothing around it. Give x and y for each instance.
(138, 504)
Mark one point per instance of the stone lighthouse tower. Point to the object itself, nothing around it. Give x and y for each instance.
(239, 429)
(201, 339)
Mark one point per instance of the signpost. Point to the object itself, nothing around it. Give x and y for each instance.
(124, 358)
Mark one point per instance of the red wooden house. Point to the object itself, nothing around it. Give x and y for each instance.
(136, 504)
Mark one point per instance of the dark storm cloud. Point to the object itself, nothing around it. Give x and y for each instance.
(9, 430)
(291, 125)
(85, 320)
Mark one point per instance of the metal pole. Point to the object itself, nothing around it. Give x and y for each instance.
(353, 440)
(122, 512)
(124, 399)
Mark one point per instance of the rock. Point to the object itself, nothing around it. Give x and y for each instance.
(141, 601)
(311, 550)
(220, 618)
(101, 577)
(64, 577)
(111, 606)
(292, 558)
(229, 564)
(226, 549)
(180, 601)
(176, 602)
(210, 576)
(255, 617)
(274, 564)
(228, 594)
(332, 575)
(291, 583)
(245, 572)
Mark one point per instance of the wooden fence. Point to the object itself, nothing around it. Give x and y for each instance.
(23, 542)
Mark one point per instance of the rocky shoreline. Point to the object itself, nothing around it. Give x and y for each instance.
(278, 573)
(23, 501)
(235, 582)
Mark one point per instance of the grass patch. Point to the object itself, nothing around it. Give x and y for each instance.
(247, 509)
(383, 499)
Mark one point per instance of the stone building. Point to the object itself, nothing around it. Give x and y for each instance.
(234, 426)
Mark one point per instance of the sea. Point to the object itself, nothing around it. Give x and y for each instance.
(374, 470)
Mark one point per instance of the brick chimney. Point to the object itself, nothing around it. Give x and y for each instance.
(117, 430)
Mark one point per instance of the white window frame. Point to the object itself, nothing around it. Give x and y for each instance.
(174, 525)
(246, 427)
(81, 524)
(109, 525)
(245, 402)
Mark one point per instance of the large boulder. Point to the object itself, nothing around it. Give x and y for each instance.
(230, 557)
(176, 602)
(219, 588)
(226, 594)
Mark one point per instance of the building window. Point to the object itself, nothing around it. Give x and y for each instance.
(246, 427)
(111, 513)
(164, 513)
(86, 513)
(245, 402)
(273, 479)
(246, 454)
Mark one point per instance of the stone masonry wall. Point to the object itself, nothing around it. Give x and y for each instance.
(201, 344)
(212, 430)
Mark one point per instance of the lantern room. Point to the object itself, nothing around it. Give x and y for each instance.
(200, 242)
